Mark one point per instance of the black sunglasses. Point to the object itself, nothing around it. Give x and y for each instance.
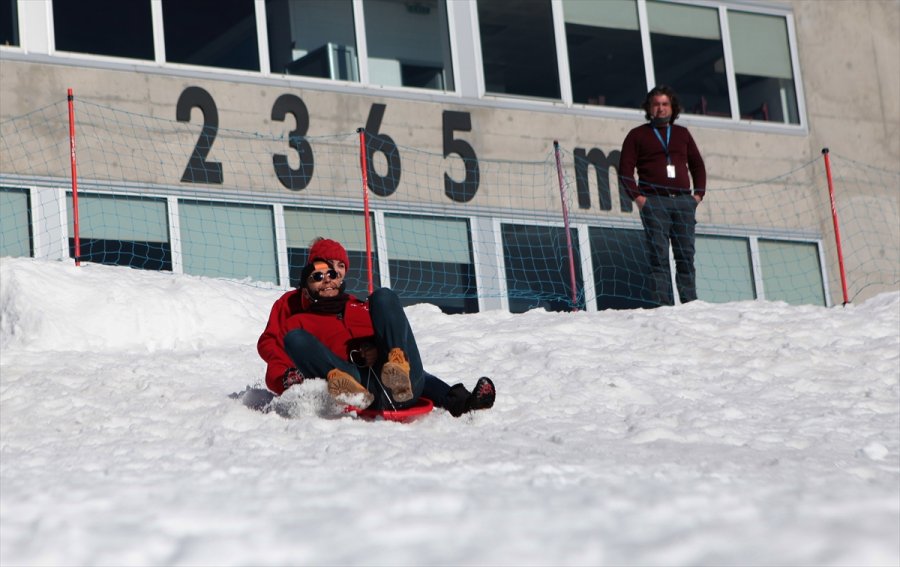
(319, 276)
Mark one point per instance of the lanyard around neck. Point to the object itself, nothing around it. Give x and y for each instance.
(665, 143)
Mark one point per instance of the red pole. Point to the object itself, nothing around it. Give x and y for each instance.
(365, 186)
(71, 98)
(565, 211)
(837, 228)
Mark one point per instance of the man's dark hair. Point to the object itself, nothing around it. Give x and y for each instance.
(663, 90)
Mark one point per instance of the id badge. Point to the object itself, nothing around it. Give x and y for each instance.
(670, 171)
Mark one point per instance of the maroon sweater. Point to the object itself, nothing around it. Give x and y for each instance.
(643, 150)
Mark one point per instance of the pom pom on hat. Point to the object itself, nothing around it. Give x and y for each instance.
(327, 249)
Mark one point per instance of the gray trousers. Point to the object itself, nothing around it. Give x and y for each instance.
(670, 218)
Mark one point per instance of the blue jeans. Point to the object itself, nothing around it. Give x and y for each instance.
(668, 218)
(392, 330)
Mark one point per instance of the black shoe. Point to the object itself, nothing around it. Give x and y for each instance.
(483, 396)
(457, 402)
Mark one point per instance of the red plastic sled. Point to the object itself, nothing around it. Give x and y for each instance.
(421, 407)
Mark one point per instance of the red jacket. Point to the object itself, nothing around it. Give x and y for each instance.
(644, 151)
(337, 332)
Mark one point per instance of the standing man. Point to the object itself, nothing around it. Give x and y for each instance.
(665, 155)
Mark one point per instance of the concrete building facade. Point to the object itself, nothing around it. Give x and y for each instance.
(766, 86)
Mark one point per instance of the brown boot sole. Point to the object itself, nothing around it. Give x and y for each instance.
(346, 390)
(395, 377)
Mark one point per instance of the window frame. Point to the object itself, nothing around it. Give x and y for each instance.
(50, 237)
(472, 304)
(723, 9)
(36, 31)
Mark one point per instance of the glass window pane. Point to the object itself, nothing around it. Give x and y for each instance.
(9, 22)
(104, 27)
(537, 268)
(724, 269)
(428, 239)
(315, 38)
(15, 223)
(431, 261)
(606, 61)
(762, 67)
(115, 217)
(228, 240)
(791, 272)
(688, 56)
(621, 269)
(408, 44)
(215, 33)
(121, 231)
(518, 49)
(302, 226)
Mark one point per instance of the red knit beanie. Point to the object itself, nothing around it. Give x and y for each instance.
(328, 250)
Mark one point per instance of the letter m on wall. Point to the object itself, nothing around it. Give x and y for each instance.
(602, 165)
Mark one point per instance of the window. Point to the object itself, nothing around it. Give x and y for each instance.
(791, 272)
(302, 226)
(408, 43)
(228, 240)
(518, 48)
(431, 261)
(537, 268)
(688, 55)
(315, 38)
(606, 64)
(121, 231)
(621, 273)
(216, 33)
(16, 238)
(9, 22)
(724, 269)
(762, 67)
(104, 27)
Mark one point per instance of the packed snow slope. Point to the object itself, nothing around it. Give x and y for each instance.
(752, 433)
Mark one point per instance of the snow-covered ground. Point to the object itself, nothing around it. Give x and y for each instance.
(751, 433)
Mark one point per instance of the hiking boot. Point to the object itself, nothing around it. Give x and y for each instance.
(482, 396)
(345, 389)
(395, 376)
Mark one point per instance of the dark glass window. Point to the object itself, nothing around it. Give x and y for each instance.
(606, 62)
(408, 44)
(215, 33)
(448, 285)
(121, 231)
(762, 67)
(16, 233)
(315, 38)
(431, 261)
(143, 255)
(9, 22)
(518, 48)
(537, 268)
(104, 27)
(688, 55)
(621, 269)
